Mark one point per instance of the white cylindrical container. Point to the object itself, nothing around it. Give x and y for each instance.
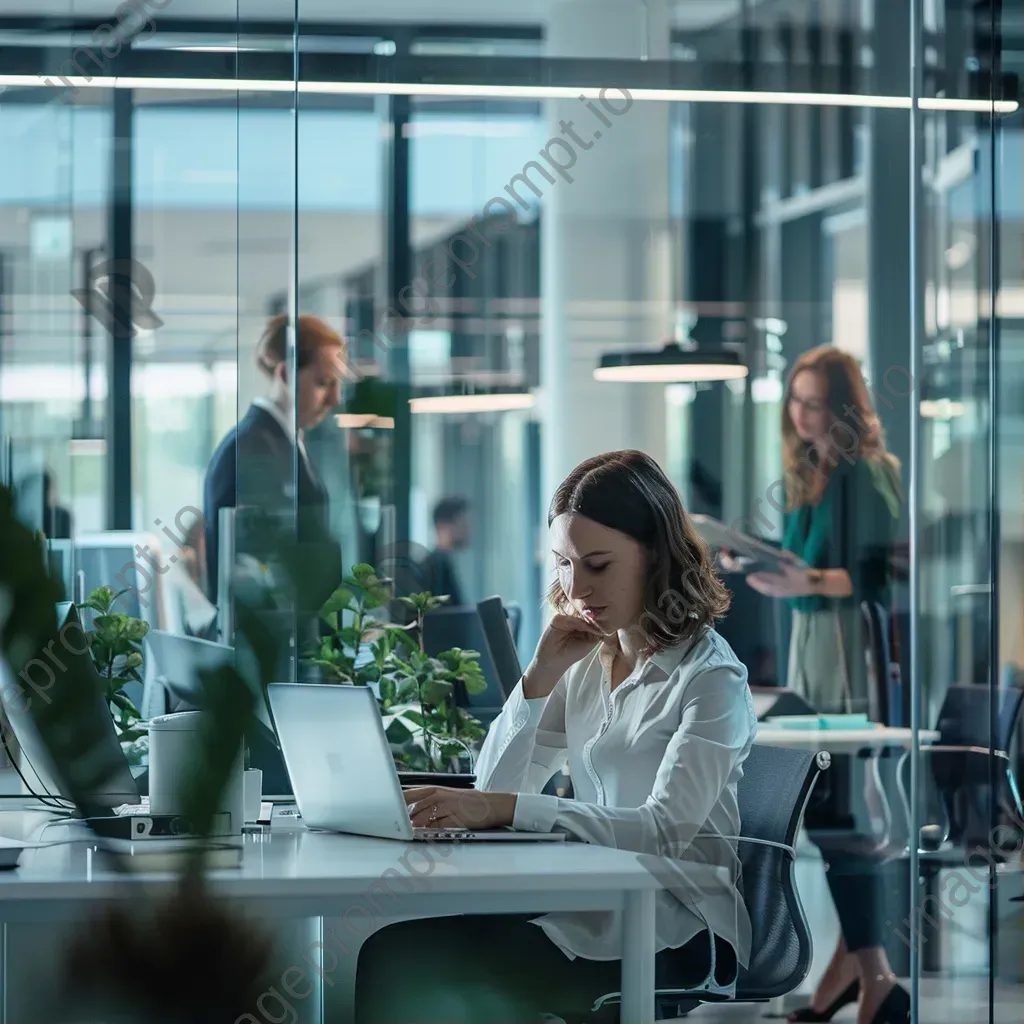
(172, 750)
(252, 793)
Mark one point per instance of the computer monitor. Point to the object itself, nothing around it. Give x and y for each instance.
(498, 631)
(175, 662)
(92, 719)
(461, 627)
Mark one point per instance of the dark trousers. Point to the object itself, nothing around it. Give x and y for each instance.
(860, 886)
(499, 969)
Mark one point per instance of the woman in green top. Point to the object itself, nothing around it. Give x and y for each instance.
(843, 502)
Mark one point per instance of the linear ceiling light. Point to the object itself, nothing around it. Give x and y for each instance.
(471, 403)
(670, 365)
(537, 92)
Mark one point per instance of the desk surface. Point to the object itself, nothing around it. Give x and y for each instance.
(842, 740)
(294, 862)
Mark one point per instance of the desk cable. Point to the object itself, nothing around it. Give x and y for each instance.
(49, 800)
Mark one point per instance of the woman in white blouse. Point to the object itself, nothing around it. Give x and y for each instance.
(630, 685)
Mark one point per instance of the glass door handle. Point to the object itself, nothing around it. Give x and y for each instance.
(970, 589)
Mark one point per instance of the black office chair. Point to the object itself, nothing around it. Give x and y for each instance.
(960, 763)
(515, 619)
(885, 698)
(773, 794)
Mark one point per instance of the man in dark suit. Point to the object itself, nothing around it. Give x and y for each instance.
(451, 534)
(262, 469)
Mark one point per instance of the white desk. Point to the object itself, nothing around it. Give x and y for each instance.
(842, 741)
(366, 884)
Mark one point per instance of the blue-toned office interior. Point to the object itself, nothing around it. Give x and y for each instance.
(511, 513)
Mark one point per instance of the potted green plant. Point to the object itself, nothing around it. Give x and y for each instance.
(416, 692)
(115, 643)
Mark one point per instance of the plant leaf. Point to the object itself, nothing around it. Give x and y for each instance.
(434, 691)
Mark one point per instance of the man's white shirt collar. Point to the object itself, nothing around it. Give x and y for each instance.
(287, 425)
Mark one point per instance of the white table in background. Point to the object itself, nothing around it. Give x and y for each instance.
(293, 873)
(842, 741)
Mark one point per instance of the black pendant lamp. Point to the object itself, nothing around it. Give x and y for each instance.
(680, 360)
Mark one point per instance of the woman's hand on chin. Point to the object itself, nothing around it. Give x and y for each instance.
(566, 640)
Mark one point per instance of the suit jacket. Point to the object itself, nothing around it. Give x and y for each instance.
(253, 471)
(438, 570)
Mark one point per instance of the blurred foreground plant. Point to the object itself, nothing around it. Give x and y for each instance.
(174, 956)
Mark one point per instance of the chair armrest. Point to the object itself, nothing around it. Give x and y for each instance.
(941, 748)
(785, 847)
(748, 839)
(946, 748)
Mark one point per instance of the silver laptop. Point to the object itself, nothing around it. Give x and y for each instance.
(343, 775)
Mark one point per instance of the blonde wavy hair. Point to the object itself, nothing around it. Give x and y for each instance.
(852, 414)
(628, 491)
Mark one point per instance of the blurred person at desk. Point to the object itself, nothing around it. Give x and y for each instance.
(451, 534)
(258, 464)
(842, 507)
(39, 502)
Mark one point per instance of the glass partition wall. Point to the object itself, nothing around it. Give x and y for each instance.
(484, 210)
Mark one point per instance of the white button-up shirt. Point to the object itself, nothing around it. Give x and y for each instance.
(654, 765)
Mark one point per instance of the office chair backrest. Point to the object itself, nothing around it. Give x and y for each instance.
(500, 643)
(515, 619)
(884, 699)
(963, 779)
(461, 627)
(773, 794)
(965, 716)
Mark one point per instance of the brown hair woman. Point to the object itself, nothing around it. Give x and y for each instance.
(843, 501)
(632, 686)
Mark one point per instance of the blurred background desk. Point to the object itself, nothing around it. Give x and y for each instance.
(842, 741)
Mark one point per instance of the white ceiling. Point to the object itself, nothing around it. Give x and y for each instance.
(686, 13)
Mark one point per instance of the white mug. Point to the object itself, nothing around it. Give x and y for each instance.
(252, 793)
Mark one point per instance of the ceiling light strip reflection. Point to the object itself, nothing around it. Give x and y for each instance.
(471, 403)
(537, 92)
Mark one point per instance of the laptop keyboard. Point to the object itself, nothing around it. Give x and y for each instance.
(440, 834)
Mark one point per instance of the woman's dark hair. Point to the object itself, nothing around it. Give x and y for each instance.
(627, 491)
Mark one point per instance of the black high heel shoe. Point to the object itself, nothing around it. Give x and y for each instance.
(895, 1008)
(808, 1015)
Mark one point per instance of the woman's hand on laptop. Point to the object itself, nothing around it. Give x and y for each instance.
(444, 807)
